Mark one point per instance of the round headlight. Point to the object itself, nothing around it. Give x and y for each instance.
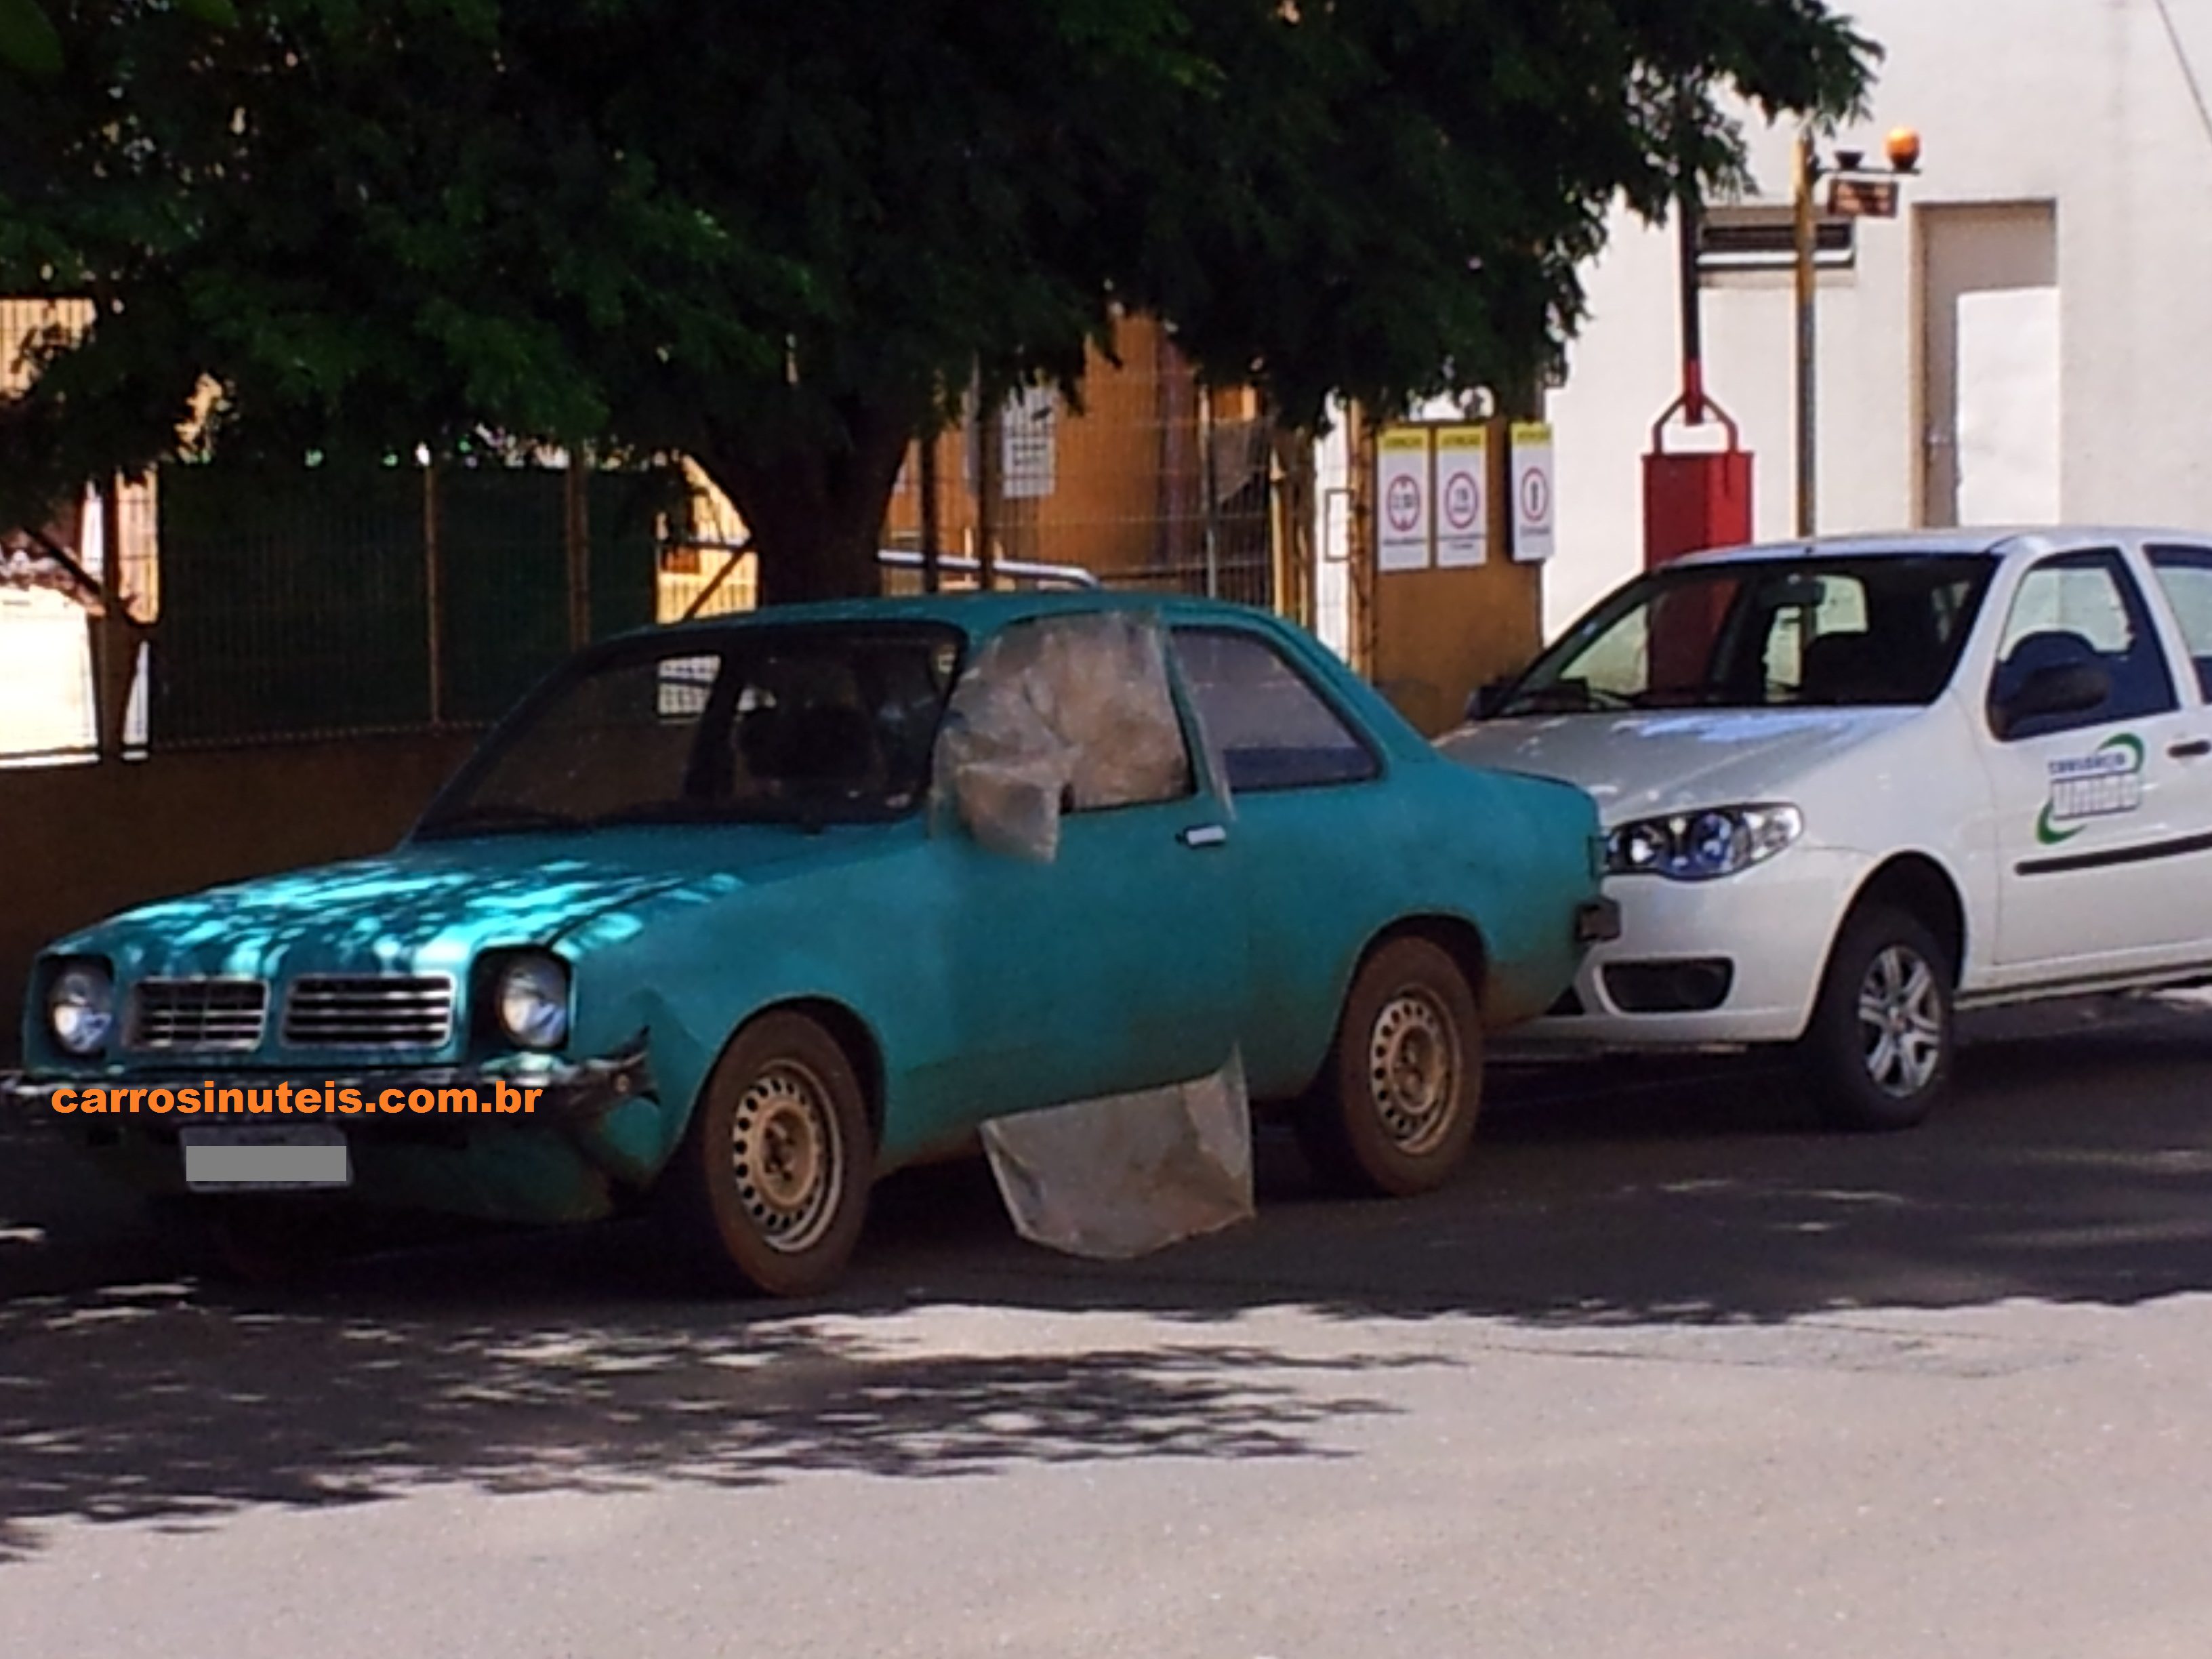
(533, 1001)
(81, 1008)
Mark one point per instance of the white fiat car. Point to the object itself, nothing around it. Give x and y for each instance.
(1850, 786)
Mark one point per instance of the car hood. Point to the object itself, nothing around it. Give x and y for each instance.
(1675, 760)
(431, 906)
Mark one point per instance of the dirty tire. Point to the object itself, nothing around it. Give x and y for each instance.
(768, 1191)
(1877, 1054)
(1395, 1107)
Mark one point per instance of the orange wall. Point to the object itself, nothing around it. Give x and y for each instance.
(1127, 476)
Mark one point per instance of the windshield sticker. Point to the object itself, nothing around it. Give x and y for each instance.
(2105, 783)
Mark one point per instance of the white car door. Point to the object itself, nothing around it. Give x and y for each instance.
(2099, 806)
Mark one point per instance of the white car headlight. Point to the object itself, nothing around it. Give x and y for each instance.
(81, 1007)
(1702, 846)
(531, 996)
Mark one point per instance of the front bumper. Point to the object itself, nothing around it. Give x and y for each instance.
(1760, 938)
(563, 1091)
(595, 1129)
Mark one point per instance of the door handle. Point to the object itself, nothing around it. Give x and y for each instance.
(1204, 835)
(2194, 749)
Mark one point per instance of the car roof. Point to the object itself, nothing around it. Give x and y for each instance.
(1997, 542)
(972, 613)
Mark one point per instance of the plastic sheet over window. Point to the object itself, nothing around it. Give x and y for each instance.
(1130, 1174)
(1067, 714)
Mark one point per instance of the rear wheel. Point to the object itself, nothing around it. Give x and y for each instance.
(1878, 1053)
(1396, 1102)
(768, 1191)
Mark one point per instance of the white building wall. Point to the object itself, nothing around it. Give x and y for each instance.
(2084, 102)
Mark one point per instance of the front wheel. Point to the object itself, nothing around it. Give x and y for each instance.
(1395, 1105)
(769, 1188)
(1878, 1053)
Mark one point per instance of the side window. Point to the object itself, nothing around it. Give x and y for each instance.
(2185, 573)
(1270, 726)
(2083, 608)
(1069, 715)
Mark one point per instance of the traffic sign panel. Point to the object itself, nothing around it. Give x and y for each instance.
(1534, 497)
(1404, 527)
(1463, 476)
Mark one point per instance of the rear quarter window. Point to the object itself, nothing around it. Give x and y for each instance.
(1271, 726)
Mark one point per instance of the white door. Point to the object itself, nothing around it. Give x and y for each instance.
(2007, 414)
(1991, 386)
(2096, 807)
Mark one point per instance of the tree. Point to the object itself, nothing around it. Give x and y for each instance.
(779, 238)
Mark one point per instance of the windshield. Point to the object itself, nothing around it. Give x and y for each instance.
(1771, 634)
(802, 725)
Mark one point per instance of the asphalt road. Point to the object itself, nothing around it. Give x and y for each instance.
(1666, 1373)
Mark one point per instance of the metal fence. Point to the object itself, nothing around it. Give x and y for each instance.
(322, 602)
(248, 606)
(1153, 481)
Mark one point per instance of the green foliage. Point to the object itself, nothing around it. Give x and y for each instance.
(27, 42)
(772, 236)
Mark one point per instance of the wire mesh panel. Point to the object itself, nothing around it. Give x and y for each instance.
(307, 602)
(295, 602)
(1153, 482)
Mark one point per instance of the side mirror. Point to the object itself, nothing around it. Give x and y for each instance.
(1487, 700)
(2070, 688)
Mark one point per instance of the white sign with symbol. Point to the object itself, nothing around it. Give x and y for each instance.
(1405, 524)
(1535, 535)
(1029, 450)
(1462, 496)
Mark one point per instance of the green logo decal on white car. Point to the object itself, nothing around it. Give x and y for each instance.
(2107, 782)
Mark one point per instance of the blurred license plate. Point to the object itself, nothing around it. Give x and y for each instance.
(261, 1155)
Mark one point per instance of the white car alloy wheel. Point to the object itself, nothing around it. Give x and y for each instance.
(1877, 1054)
(785, 1153)
(1901, 1017)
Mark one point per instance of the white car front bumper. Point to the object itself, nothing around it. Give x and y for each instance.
(1708, 963)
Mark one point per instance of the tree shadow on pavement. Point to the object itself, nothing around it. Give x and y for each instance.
(152, 1404)
(2073, 1170)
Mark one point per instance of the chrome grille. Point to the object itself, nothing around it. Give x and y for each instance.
(198, 1013)
(369, 1012)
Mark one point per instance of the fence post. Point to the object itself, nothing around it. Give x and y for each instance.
(576, 534)
(990, 492)
(114, 661)
(1291, 508)
(433, 594)
(932, 544)
(1360, 537)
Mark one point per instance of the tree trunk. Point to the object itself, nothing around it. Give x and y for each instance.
(815, 514)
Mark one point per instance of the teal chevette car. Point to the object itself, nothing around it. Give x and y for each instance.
(762, 908)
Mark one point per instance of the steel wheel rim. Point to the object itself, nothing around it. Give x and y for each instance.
(787, 1157)
(1901, 1022)
(1413, 1070)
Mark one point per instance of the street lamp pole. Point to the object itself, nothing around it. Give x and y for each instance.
(1805, 171)
(1855, 191)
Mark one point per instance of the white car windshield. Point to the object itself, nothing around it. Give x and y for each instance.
(1764, 634)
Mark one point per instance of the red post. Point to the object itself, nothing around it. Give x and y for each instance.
(1697, 499)
(1692, 502)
